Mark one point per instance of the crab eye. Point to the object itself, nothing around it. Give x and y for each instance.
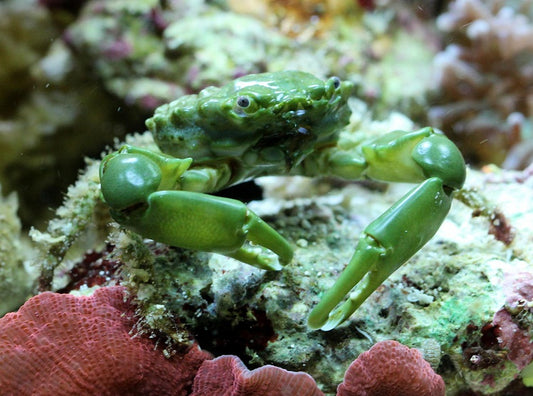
(332, 85)
(244, 105)
(243, 101)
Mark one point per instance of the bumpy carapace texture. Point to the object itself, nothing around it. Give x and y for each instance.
(59, 344)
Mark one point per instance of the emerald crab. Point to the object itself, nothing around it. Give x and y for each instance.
(281, 123)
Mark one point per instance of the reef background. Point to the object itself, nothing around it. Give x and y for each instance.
(78, 76)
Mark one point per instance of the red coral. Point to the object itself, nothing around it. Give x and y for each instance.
(59, 344)
(228, 376)
(390, 368)
(512, 325)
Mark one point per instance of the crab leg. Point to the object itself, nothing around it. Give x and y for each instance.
(384, 245)
(135, 185)
(402, 230)
(208, 223)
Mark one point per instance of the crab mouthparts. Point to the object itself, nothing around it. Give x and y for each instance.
(298, 108)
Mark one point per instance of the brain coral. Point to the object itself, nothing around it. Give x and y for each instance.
(59, 344)
(390, 368)
(228, 376)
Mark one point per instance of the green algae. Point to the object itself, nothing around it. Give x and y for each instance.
(16, 274)
(527, 375)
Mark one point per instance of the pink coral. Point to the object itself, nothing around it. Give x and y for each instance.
(390, 368)
(483, 79)
(512, 329)
(228, 376)
(59, 344)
